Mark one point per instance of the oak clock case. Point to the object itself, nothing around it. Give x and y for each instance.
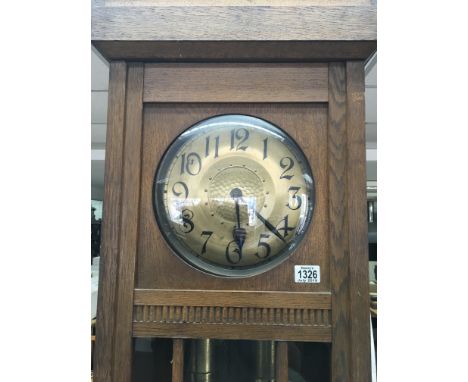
(233, 195)
(147, 291)
(174, 66)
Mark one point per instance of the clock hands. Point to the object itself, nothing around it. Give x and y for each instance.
(238, 232)
(236, 194)
(270, 227)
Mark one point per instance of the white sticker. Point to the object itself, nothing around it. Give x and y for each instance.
(307, 274)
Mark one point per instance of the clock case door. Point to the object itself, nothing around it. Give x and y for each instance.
(147, 291)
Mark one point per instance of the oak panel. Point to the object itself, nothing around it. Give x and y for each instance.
(245, 332)
(232, 298)
(236, 83)
(159, 268)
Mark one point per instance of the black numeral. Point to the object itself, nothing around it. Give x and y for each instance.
(233, 253)
(205, 233)
(207, 147)
(287, 164)
(285, 227)
(182, 164)
(297, 199)
(183, 189)
(265, 148)
(266, 247)
(192, 164)
(187, 217)
(239, 134)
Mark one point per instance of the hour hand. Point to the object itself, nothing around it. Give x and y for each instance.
(238, 232)
(239, 235)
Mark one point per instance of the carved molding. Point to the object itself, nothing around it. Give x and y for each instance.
(231, 315)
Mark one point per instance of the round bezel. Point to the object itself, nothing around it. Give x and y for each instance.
(161, 179)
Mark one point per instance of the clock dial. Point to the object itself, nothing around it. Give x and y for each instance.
(233, 195)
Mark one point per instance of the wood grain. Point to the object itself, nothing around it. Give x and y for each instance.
(232, 298)
(232, 332)
(129, 223)
(357, 213)
(282, 363)
(306, 123)
(236, 83)
(240, 23)
(338, 229)
(177, 360)
(235, 51)
(106, 309)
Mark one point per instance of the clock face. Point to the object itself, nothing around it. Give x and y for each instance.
(233, 195)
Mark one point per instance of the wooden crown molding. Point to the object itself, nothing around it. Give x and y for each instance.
(229, 30)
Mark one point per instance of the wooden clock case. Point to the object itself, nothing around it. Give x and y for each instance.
(185, 301)
(312, 89)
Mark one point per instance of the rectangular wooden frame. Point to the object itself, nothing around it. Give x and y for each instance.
(118, 303)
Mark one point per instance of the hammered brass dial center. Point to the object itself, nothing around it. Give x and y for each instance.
(219, 199)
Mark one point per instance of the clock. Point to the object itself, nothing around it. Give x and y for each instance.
(233, 195)
(211, 208)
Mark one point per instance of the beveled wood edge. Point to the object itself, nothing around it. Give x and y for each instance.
(229, 298)
(235, 51)
(235, 332)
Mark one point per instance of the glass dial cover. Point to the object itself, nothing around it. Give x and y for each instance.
(233, 195)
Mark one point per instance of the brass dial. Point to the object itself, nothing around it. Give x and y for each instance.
(233, 195)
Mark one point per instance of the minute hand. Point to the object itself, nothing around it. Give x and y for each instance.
(270, 227)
